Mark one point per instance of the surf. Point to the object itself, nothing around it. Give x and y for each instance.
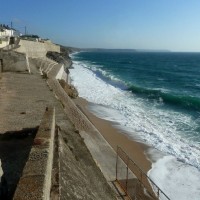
(149, 116)
(182, 101)
(143, 119)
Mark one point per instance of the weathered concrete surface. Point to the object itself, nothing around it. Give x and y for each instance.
(109, 158)
(23, 99)
(35, 182)
(36, 49)
(101, 151)
(13, 61)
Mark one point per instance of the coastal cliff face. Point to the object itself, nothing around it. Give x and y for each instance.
(62, 57)
(69, 89)
(59, 58)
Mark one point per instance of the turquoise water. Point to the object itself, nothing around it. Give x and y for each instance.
(155, 99)
(174, 77)
(156, 95)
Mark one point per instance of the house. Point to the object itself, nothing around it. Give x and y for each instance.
(7, 35)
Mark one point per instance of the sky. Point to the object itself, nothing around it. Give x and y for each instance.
(123, 24)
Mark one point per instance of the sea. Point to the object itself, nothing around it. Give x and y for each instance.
(154, 97)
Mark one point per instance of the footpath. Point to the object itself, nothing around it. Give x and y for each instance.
(23, 101)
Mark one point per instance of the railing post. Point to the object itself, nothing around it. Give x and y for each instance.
(127, 165)
(1, 65)
(27, 64)
(117, 163)
(158, 192)
(140, 174)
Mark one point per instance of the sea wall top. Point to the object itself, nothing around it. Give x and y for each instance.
(36, 49)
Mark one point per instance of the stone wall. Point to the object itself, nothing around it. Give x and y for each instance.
(13, 61)
(35, 49)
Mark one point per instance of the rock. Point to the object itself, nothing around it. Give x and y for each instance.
(57, 57)
(69, 89)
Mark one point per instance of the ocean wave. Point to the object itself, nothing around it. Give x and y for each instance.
(161, 128)
(103, 74)
(172, 174)
(158, 117)
(168, 98)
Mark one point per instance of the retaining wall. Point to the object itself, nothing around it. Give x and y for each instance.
(35, 49)
(13, 61)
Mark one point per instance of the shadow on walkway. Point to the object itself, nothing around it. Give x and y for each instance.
(15, 147)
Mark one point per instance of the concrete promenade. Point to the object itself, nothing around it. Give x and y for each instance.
(23, 100)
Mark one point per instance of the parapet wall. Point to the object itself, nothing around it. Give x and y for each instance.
(35, 182)
(35, 49)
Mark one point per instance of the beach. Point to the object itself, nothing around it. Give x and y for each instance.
(136, 152)
(115, 137)
(156, 127)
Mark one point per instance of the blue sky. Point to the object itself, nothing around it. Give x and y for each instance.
(138, 24)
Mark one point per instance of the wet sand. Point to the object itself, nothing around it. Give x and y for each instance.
(115, 137)
(136, 151)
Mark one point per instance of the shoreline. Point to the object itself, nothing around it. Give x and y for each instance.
(139, 153)
(115, 137)
(152, 161)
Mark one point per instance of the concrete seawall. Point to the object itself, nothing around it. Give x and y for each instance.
(73, 174)
(18, 59)
(36, 49)
(101, 151)
(79, 175)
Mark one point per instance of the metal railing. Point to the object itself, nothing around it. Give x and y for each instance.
(134, 181)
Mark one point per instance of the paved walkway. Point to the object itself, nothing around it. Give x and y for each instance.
(23, 99)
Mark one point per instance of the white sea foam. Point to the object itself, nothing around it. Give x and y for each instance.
(96, 69)
(164, 90)
(176, 179)
(198, 85)
(163, 129)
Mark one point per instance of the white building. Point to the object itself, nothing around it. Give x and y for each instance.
(6, 35)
